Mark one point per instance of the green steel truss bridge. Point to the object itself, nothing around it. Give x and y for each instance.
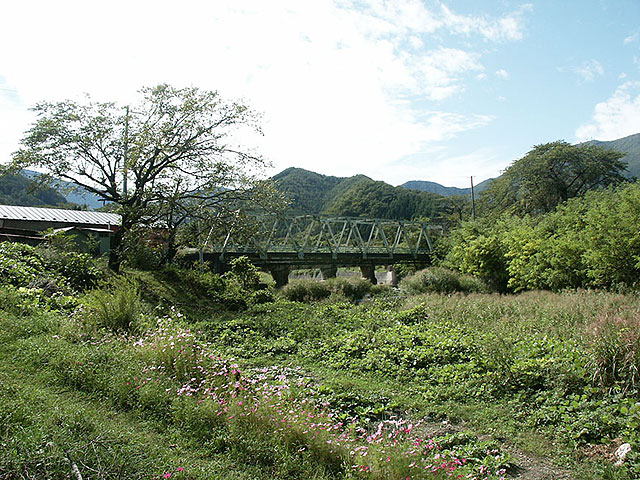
(277, 244)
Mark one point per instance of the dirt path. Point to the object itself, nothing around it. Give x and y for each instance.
(529, 467)
(535, 468)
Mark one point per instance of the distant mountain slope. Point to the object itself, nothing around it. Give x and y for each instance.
(433, 187)
(629, 145)
(79, 197)
(14, 190)
(311, 192)
(357, 196)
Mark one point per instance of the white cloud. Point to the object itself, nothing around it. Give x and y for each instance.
(502, 73)
(631, 39)
(617, 117)
(589, 70)
(334, 78)
(509, 27)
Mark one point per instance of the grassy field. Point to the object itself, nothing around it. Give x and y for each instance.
(154, 377)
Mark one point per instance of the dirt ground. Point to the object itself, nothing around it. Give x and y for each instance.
(529, 467)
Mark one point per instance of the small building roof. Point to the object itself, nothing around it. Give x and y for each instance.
(37, 214)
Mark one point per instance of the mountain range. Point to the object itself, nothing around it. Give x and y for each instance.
(434, 187)
(313, 193)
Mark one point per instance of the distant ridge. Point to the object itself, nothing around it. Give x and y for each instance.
(356, 196)
(433, 187)
(629, 145)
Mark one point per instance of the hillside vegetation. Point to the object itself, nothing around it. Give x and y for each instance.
(357, 196)
(630, 146)
(15, 190)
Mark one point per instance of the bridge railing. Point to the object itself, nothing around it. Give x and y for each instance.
(312, 234)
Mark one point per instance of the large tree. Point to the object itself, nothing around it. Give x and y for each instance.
(170, 154)
(550, 174)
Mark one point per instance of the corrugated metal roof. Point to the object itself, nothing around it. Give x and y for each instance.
(11, 212)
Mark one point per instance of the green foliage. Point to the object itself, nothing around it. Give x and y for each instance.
(196, 289)
(117, 307)
(306, 291)
(615, 352)
(138, 249)
(19, 264)
(590, 241)
(552, 173)
(441, 280)
(352, 289)
(244, 273)
(49, 268)
(476, 248)
(81, 270)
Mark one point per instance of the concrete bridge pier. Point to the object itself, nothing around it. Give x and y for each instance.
(280, 274)
(369, 273)
(329, 271)
(394, 278)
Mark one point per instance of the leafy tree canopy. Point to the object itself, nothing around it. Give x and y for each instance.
(550, 174)
(171, 152)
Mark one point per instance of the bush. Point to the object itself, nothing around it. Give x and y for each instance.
(20, 265)
(139, 252)
(306, 291)
(118, 310)
(442, 280)
(79, 269)
(352, 289)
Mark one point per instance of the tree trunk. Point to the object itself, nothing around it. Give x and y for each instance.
(116, 250)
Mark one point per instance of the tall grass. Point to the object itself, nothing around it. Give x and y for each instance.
(615, 351)
(117, 307)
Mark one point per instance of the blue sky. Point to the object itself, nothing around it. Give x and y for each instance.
(402, 90)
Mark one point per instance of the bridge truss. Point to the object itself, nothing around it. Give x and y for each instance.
(312, 236)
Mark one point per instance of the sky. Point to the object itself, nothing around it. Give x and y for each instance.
(397, 90)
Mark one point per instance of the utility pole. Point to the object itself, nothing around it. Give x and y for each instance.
(126, 147)
(473, 201)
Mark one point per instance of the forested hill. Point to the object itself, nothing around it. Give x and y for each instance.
(629, 145)
(310, 192)
(14, 190)
(357, 196)
(18, 190)
(433, 187)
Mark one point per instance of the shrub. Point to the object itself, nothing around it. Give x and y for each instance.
(442, 280)
(79, 269)
(306, 290)
(352, 289)
(20, 264)
(244, 273)
(119, 309)
(139, 250)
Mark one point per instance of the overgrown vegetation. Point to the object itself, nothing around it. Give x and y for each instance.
(589, 241)
(122, 381)
(353, 290)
